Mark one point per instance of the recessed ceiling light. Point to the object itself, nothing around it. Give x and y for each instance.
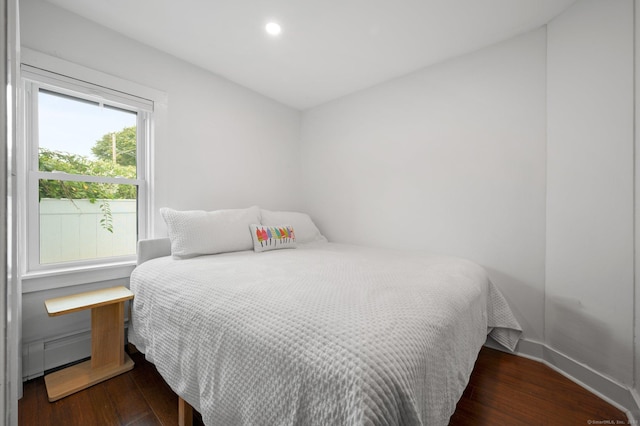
(273, 28)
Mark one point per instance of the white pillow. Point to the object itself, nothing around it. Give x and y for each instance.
(306, 231)
(267, 238)
(196, 232)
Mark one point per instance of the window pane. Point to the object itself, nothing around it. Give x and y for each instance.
(82, 137)
(84, 220)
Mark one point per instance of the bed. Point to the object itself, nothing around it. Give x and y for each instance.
(323, 334)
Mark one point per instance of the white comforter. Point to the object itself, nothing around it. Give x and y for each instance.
(324, 334)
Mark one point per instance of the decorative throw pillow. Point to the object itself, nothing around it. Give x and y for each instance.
(196, 232)
(272, 237)
(306, 230)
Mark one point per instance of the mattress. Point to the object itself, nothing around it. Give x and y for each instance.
(324, 334)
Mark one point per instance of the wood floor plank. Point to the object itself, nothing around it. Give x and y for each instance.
(470, 412)
(533, 392)
(76, 410)
(566, 393)
(33, 406)
(504, 389)
(148, 419)
(161, 399)
(103, 408)
(129, 404)
(528, 407)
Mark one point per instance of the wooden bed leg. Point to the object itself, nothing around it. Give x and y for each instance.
(185, 413)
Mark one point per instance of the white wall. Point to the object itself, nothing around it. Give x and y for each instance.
(220, 146)
(223, 145)
(454, 159)
(589, 251)
(450, 159)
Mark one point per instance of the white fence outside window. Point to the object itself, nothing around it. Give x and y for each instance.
(71, 230)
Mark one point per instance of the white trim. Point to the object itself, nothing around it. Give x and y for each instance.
(58, 81)
(94, 85)
(77, 90)
(636, 198)
(141, 173)
(42, 355)
(72, 276)
(37, 175)
(156, 131)
(60, 84)
(13, 314)
(604, 387)
(635, 419)
(40, 60)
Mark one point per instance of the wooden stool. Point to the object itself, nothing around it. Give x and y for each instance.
(108, 358)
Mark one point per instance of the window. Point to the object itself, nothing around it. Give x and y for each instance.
(85, 172)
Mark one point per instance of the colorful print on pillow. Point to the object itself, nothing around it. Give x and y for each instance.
(272, 237)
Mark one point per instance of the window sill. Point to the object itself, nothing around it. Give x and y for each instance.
(59, 278)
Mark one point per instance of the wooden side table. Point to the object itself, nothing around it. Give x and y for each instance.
(108, 358)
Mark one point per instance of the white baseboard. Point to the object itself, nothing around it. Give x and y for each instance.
(609, 390)
(634, 417)
(43, 355)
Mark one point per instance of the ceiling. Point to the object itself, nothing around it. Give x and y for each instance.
(327, 48)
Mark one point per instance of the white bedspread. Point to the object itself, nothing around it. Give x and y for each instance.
(324, 334)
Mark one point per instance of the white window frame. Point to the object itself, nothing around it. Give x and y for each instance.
(39, 70)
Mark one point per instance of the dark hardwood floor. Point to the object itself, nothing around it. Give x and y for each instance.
(503, 390)
(506, 389)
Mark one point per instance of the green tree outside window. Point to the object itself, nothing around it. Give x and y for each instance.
(123, 166)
